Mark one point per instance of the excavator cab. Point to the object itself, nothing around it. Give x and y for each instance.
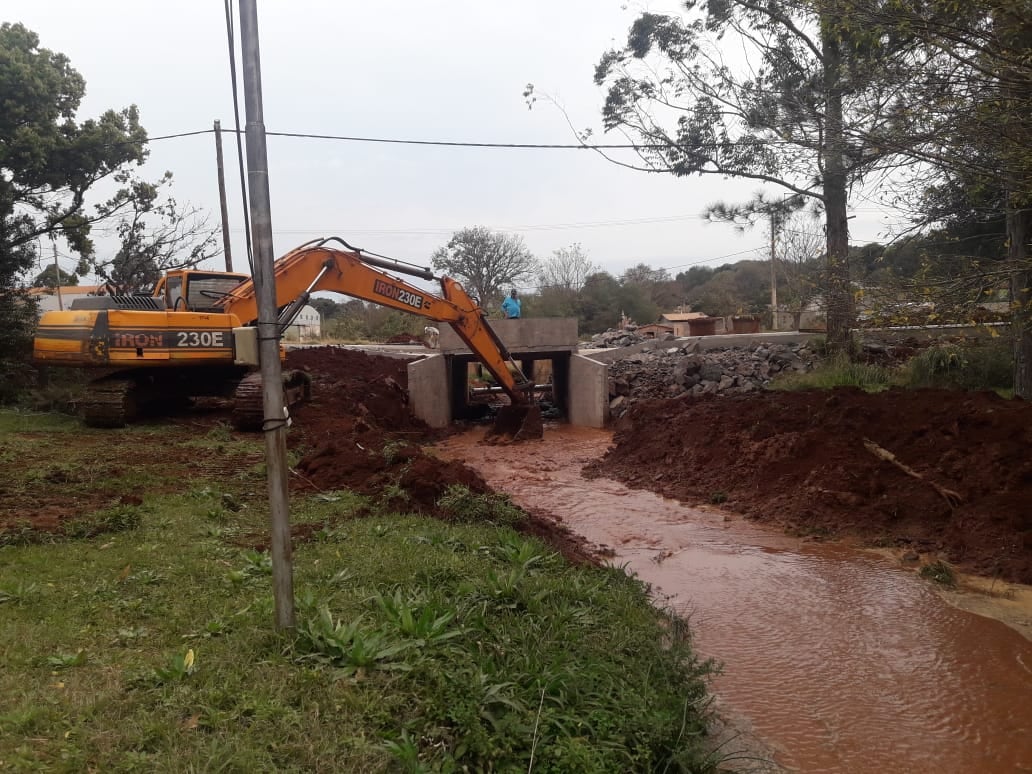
(188, 290)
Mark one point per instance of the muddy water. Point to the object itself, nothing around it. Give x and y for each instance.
(840, 660)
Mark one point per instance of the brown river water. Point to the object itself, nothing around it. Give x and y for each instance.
(838, 659)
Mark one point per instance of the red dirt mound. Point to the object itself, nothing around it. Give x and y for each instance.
(359, 432)
(360, 436)
(799, 459)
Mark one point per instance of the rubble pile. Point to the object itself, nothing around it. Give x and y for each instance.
(683, 371)
(622, 337)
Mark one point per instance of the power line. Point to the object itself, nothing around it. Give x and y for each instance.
(474, 144)
(716, 258)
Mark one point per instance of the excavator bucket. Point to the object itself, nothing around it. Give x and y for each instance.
(516, 423)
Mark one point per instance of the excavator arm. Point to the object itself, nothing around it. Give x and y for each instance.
(315, 266)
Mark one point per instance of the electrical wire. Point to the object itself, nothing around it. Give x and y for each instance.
(454, 143)
(231, 39)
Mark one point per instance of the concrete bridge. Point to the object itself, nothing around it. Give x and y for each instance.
(439, 384)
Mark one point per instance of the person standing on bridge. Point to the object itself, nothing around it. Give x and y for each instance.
(511, 306)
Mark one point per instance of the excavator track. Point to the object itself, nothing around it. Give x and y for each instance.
(248, 400)
(110, 403)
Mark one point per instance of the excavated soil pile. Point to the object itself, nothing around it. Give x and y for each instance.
(359, 435)
(799, 459)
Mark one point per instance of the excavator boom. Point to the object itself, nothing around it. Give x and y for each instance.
(318, 267)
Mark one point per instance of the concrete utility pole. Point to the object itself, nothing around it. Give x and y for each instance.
(226, 248)
(57, 280)
(773, 272)
(275, 426)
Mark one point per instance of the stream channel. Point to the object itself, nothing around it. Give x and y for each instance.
(838, 659)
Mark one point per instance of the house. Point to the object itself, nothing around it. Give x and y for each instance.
(680, 321)
(307, 325)
(654, 330)
(50, 301)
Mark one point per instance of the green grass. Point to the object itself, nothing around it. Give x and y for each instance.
(838, 371)
(420, 646)
(939, 572)
(15, 420)
(982, 366)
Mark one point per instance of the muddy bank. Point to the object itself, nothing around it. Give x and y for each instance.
(799, 460)
(357, 433)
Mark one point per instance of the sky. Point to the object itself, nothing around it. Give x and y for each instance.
(447, 70)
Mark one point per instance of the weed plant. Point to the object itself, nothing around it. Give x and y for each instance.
(838, 371)
(472, 508)
(978, 367)
(985, 366)
(939, 572)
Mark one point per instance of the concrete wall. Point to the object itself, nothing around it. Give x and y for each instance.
(702, 343)
(528, 334)
(587, 389)
(428, 390)
(587, 403)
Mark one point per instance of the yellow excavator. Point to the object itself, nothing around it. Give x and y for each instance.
(195, 335)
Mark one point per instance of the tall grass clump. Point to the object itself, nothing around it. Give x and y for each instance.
(968, 367)
(838, 371)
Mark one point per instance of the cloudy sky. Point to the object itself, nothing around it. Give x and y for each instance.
(445, 70)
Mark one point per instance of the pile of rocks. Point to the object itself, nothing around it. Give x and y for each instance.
(623, 337)
(684, 371)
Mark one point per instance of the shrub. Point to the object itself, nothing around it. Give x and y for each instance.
(467, 506)
(838, 371)
(969, 367)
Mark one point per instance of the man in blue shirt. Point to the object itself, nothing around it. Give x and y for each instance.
(511, 306)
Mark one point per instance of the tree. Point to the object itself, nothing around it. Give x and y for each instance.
(48, 278)
(800, 250)
(486, 262)
(561, 278)
(796, 116)
(156, 235)
(749, 214)
(603, 300)
(663, 292)
(567, 269)
(962, 112)
(718, 297)
(598, 307)
(48, 163)
(739, 288)
(693, 278)
(327, 308)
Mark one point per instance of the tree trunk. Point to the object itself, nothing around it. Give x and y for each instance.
(838, 293)
(1019, 228)
(1013, 29)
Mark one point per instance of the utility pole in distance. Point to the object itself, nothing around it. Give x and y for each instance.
(226, 248)
(275, 424)
(773, 270)
(57, 280)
